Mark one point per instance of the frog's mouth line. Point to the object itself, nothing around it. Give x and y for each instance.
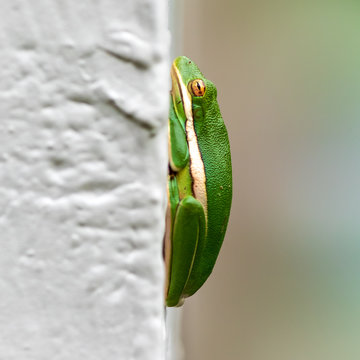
(180, 94)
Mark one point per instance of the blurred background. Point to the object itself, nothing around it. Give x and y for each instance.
(287, 282)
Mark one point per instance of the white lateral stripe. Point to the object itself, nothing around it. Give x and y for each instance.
(197, 168)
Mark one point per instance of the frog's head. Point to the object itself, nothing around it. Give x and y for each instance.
(190, 86)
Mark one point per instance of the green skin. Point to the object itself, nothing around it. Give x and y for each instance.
(196, 230)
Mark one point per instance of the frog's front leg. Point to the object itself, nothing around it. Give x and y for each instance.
(188, 233)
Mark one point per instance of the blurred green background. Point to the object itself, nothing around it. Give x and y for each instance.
(287, 282)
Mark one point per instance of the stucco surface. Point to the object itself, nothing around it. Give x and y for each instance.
(83, 160)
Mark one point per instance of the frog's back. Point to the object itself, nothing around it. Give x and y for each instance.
(215, 152)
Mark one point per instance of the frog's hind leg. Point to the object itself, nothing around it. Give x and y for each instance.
(188, 232)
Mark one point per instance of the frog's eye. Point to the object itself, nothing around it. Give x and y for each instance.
(197, 87)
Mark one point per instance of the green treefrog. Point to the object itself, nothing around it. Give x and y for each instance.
(199, 182)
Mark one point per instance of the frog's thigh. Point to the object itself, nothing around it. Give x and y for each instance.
(188, 232)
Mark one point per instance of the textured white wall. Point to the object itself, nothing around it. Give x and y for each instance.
(83, 160)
